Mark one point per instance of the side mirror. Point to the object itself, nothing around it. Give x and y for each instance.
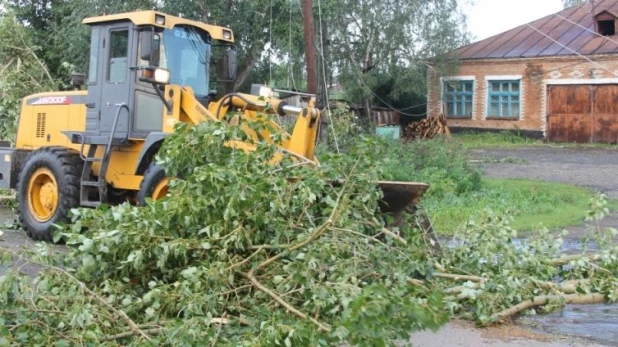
(231, 65)
(149, 47)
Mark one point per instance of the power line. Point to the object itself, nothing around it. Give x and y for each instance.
(607, 38)
(270, 44)
(570, 49)
(382, 100)
(330, 116)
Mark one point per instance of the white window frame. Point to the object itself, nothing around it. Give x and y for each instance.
(463, 79)
(522, 103)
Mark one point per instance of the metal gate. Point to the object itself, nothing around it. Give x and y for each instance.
(583, 113)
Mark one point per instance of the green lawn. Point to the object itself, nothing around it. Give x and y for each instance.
(531, 203)
(487, 140)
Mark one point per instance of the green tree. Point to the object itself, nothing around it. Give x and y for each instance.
(570, 3)
(387, 45)
(22, 72)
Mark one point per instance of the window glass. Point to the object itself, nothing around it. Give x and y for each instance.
(148, 113)
(187, 55)
(459, 96)
(118, 54)
(94, 55)
(504, 99)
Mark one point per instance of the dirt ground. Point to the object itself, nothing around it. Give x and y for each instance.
(593, 168)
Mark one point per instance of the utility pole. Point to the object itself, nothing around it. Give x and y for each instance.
(310, 55)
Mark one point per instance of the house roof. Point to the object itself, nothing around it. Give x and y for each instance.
(568, 31)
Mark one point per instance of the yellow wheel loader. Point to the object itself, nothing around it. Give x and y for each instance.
(148, 71)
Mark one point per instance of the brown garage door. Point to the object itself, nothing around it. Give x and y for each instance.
(583, 113)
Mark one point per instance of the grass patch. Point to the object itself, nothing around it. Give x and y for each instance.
(505, 139)
(510, 139)
(531, 203)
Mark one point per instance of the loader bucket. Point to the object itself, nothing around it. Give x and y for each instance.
(401, 198)
(399, 195)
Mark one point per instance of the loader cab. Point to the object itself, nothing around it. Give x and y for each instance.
(121, 50)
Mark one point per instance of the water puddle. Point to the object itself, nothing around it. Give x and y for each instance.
(594, 322)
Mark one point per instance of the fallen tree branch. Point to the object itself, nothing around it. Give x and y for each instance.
(459, 289)
(580, 299)
(246, 260)
(82, 285)
(314, 236)
(131, 333)
(395, 236)
(284, 303)
(567, 287)
(156, 331)
(459, 277)
(570, 258)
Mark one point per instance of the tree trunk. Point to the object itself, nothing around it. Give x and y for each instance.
(367, 112)
(310, 56)
(246, 71)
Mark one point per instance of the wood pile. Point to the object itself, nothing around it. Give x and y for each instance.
(426, 129)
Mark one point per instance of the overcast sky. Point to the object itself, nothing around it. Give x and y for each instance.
(490, 17)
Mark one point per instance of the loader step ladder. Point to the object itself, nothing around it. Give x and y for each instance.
(88, 186)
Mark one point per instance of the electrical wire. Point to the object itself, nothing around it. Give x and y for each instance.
(570, 49)
(290, 47)
(382, 100)
(330, 116)
(270, 44)
(607, 38)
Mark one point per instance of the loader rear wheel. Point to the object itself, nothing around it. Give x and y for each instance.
(48, 188)
(154, 185)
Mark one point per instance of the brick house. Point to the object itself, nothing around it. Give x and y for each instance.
(556, 78)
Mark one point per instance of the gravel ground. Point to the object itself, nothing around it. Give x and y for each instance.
(594, 168)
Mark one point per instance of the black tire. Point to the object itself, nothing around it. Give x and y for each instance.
(65, 167)
(152, 177)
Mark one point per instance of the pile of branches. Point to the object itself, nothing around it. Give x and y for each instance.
(426, 129)
(245, 252)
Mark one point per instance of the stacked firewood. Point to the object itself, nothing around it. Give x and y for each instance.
(428, 128)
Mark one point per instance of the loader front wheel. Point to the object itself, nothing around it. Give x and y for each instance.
(48, 188)
(154, 185)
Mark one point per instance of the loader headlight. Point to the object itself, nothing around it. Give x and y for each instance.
(162, 76)
(227, 35)
(159, 19)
